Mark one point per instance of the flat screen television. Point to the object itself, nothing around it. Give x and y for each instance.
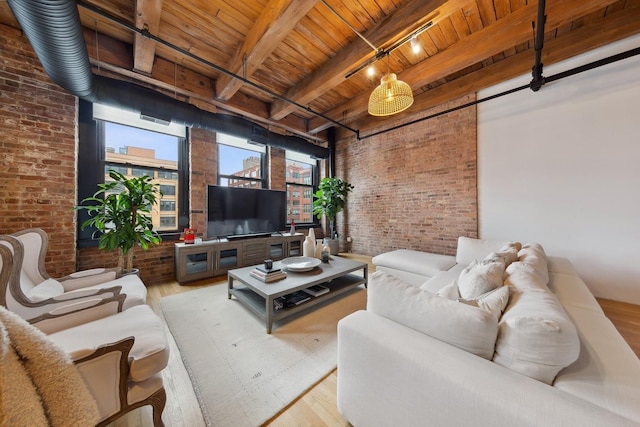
(237, 213)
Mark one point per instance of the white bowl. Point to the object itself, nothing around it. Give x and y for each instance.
(300, 263)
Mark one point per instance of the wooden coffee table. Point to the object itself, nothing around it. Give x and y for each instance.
(258, 296)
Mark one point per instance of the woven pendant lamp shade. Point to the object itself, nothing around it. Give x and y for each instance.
(391, 97)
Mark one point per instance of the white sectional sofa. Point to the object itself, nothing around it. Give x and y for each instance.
(417, 357)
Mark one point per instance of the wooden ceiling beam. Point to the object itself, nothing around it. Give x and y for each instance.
(115, 57)
(491, 40)
(277, 20)
(331, 73)
(147, 17)
(617, 26)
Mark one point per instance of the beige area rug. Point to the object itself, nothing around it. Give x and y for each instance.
(242, 375)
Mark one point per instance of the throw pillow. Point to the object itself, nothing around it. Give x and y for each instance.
(533, 254)
(50, 288)
(20, 403)
(536, 337)
(493, 301)
(506, 254)
(66, 398)
(468, 328)
(450, 291)
(480, 278)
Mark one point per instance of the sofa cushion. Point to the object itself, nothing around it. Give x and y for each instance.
(469, 328)
(536, 337)
(607, 373)
(437, 282)
(150, 351)
(132, 286)
(50, 288)
(477, 249)
(479, 278)
(422, 263)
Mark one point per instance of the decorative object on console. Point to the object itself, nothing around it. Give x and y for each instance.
(324, 255)
(318, 253)
(309, 245)
(189, 236)
(328, 201)
(121, 211)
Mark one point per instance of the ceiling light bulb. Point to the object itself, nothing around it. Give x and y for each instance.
(415, 46)
(371, 71)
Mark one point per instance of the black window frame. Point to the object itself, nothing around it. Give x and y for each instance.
(313, 187)
(264, 175)
(91, 172)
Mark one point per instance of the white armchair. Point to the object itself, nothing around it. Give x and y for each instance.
(37, 293)
(120, 357)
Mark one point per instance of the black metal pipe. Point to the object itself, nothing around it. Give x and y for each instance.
(555, 77)
(536, 72)
(191, 55)
(54, 30)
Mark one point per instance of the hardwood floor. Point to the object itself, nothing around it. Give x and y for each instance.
(315, 408)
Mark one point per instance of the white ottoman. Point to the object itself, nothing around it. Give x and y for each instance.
(413, 267)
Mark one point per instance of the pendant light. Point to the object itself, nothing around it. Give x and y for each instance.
(391, 96)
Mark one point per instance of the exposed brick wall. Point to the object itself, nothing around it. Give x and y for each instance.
(415, 187)
(204, 171)
(277, 169)
(38, 142)
(156, 265)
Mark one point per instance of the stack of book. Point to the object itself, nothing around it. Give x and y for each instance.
(266, 275)
(316, 290)
(291, 300)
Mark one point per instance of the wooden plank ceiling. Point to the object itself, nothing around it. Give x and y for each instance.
(302, 50)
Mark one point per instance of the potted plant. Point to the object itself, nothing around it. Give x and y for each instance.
(121, 211)
(330, 199)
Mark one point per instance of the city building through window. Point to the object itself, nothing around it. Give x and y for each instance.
(240, 164)
(137, 147)
(301, 176)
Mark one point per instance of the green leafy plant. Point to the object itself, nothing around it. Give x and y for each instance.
(330, 199)
(121, 212)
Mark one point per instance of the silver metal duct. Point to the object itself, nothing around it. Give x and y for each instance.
(54, 30)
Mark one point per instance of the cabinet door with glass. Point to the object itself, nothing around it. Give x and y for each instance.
(193, 262)
(227, 257)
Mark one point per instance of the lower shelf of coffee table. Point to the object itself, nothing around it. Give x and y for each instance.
(257, 304)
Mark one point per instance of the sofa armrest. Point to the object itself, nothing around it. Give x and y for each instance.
(85, 278)
(78, 313)
(389, 374)
(78, 294)
(106, 373)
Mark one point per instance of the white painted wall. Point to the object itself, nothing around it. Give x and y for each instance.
(562, 167)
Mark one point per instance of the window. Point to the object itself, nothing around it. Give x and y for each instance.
(168, 221)
(167, 206)
(148, 153)
(122, 141)
(122, 169)
(302, 178)
(168, 190)
(240, 164)
(138, 171)
(167, 175)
